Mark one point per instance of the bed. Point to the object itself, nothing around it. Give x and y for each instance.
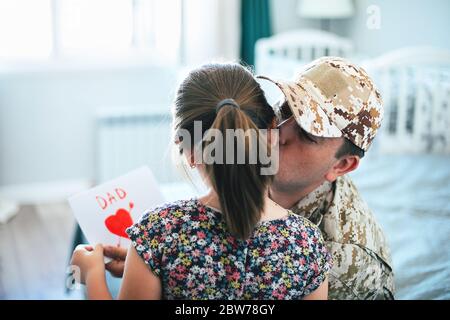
(410, 197)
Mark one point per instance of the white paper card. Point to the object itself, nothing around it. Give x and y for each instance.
(106, 211)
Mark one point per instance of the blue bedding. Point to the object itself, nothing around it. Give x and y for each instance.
(410, 197)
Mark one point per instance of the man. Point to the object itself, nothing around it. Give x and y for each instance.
(329, 117)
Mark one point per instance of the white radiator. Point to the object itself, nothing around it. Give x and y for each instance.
(128, 138)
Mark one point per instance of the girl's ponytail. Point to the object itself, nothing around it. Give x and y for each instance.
(240, 186)
(227, 97)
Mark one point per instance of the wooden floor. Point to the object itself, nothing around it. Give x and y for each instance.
(34, 253)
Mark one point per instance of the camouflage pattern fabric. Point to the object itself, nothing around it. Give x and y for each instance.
(362, 266)
(332, 98)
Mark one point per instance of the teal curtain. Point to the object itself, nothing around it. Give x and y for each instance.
(255, 24)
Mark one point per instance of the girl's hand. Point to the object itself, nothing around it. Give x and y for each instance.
(89, 260)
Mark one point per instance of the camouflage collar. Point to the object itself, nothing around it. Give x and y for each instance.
(316, 203)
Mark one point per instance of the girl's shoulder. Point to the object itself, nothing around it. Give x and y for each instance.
(177, 213)
(304, 228)
(293, 232)
(301, 223)
(178, 205)
(164, 224)
(293, 224)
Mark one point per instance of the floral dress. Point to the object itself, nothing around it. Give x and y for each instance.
(187, 245)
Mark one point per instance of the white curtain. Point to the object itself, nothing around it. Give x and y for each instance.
(211, 31)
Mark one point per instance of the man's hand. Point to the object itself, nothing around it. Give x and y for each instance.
(118, 254)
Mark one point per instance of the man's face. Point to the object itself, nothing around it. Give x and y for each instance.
(304, 158)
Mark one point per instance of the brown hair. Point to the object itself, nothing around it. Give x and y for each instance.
(240, 187)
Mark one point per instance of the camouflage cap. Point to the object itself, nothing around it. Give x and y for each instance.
(332, 97)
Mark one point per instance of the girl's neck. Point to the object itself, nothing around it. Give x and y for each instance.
(271, 210)
(210, 200)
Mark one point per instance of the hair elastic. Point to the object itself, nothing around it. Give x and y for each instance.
(227, 102)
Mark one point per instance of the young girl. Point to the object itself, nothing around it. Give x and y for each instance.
(232, 243)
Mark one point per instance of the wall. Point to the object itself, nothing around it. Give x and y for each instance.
(403, 23)
(284, 17)
(47, 116)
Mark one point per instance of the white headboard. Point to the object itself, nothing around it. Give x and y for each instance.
(415, 86)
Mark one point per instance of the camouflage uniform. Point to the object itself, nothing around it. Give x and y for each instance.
(362, 266)
(334, 98)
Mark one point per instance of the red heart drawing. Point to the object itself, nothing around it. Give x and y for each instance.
(119, 222)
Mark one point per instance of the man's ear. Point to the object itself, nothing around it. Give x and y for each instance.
(344, 165)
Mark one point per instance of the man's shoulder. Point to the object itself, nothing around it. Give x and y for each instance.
(359, 273)
(349, 220)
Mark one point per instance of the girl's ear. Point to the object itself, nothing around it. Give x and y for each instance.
(274, 123)
(190, 158)
(273, 137)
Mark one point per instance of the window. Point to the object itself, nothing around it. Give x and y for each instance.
(25, 29)
(95, 25)
(45, 28)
